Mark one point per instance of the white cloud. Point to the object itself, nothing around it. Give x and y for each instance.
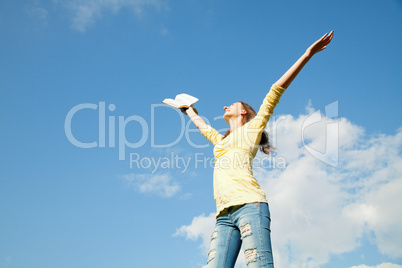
(86, 12)
(319, 210)
(39, 14)
(382, 265)
(201, 226)
(162, 185)
(386, 217)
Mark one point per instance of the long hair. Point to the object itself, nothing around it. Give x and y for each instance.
(265, 146)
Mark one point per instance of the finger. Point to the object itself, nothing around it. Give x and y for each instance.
(323, 37)
(329, 38)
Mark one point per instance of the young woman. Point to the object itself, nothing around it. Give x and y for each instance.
(242, 208)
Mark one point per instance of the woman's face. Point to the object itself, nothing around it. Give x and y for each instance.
(234, 110)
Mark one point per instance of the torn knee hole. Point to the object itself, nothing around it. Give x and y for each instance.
(245, 230)
(251, 255)
(211, 255)
(214, 235)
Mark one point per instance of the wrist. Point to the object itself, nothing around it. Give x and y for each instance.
(308, 54)
(191, 111)
(184, 110)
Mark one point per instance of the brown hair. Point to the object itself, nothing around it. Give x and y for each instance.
(265, 146)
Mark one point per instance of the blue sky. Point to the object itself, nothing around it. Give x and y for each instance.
(65, 206)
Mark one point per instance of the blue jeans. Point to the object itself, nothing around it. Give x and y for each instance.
(250, 224)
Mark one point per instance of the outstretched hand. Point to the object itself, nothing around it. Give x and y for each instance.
(320, 44)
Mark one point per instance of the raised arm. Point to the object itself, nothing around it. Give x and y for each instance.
(273, 96)
(206, 130)
(197, 120)
(318, 46)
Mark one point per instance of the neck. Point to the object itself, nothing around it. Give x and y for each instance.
(235, 123)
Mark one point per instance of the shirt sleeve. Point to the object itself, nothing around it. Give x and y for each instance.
(267, 107)
(211, 134)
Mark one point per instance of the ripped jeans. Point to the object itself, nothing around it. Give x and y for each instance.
(250, 224)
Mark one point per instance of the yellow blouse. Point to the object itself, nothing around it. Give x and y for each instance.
(234, 183)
